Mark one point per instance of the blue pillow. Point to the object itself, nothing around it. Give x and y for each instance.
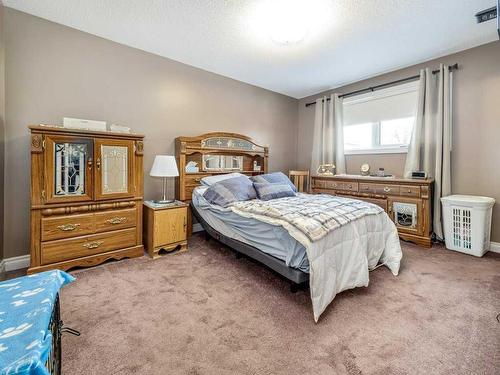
(276, 177)
(267, 191)
(225, 192)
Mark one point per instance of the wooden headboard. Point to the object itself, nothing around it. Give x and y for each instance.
(195, 149)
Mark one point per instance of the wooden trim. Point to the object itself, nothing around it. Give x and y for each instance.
(58, 129)
(36, 143)
(67, 210)
(91, 260)
(385, 180)
(100, 206)
(218, 134)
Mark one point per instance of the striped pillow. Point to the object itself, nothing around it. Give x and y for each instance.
(225, 192)
(267, 191)
(276, 177)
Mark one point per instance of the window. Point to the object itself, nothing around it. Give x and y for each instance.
(380, 121)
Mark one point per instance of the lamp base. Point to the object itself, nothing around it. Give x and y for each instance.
(163, 201)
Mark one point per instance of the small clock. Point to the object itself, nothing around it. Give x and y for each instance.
(365, 169)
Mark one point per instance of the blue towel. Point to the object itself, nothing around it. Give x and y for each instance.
(26, 305)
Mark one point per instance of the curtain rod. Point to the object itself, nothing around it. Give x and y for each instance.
(369, 89)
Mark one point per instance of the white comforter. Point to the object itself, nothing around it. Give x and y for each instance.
(343, 258)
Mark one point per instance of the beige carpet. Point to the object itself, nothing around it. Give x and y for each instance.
(205, 312)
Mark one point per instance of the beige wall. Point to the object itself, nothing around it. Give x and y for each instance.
(476, 132)
(54, 71)
(2, 128)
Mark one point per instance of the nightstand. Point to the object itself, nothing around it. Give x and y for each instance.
(165, 227)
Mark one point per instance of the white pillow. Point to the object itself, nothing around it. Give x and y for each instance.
(210, 180)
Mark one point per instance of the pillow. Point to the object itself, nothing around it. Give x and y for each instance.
(231, 190)
(268, 191)
(276, 177)
(210, 180)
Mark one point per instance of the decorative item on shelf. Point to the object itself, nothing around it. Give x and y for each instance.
(164, 166)
(365, 169)
(381, 172)
(119, 128)
(326, 169)
(256, 166)
(77, 123)
(222, 163)
(192, 167)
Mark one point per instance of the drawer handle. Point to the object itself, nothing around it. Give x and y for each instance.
(93, 244)
(68, 227)
(349, 186)
(409, 191)
(116, 220)
(387, 189)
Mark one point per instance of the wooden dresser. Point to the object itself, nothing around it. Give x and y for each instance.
(86, 197)
(407, 201)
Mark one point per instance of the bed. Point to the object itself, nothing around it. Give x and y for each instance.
(334, 256)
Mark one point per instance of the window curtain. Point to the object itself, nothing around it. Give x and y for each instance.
(328, 136)
(430, 146)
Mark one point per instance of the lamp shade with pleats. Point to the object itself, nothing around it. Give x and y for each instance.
(164, 166)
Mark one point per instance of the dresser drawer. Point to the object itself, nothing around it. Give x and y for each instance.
(60, 250)
(54, 228)
(319, 184)
(340, 185)
(409, 191)
(106, 221)
(382, 189)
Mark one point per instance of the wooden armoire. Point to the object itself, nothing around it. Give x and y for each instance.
(86, 197)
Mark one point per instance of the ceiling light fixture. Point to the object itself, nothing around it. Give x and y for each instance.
(286, 21)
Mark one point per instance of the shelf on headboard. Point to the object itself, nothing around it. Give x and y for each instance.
(222, 172)
(193, 148)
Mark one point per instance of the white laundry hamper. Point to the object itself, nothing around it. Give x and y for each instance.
(467, 223)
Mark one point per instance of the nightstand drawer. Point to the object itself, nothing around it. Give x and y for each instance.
(54, 228)
(170, 226)
(106, 221)
(61, 250)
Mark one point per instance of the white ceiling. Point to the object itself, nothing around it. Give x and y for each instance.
(348, 40)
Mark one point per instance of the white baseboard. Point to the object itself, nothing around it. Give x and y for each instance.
(495, 247)
(14, 263)
(197, 228)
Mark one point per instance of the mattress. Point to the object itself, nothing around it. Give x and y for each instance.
(270, 239)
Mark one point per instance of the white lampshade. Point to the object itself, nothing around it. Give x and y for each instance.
(164, 166)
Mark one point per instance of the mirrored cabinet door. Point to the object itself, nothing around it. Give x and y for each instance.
(114, 169)
(69, 164)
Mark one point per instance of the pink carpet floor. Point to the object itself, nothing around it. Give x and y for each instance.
(206, 312)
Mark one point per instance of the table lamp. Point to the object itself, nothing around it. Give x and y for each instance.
(164, 166)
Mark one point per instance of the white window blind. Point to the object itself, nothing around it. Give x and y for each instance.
(380, 121)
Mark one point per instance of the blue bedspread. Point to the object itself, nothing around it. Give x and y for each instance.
(26, 305)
